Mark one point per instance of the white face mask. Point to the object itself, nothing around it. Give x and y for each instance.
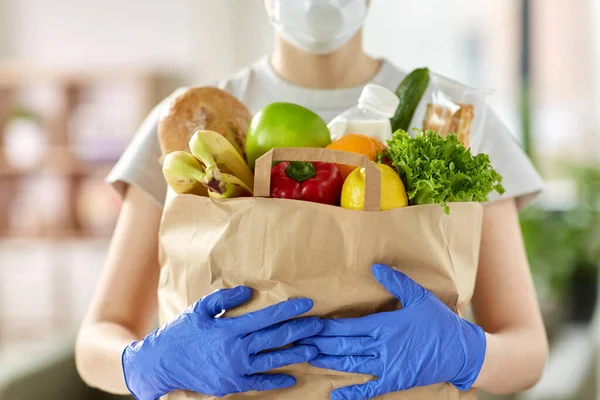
(318, 26)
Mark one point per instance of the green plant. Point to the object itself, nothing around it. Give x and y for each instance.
(583, 220)
(557, 242)
(22, 113)
(545, 233)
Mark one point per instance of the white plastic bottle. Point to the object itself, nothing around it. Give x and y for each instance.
(371, 117)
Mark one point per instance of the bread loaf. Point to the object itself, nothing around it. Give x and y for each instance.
(203, 108)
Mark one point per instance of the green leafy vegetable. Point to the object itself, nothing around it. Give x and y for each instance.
(437, 170)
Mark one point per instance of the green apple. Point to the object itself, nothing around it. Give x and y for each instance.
(284, 125)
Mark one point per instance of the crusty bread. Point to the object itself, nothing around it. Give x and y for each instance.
(203, 108)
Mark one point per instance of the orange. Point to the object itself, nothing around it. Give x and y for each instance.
(356, 143)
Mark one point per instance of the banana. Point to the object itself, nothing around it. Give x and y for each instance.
(213, 150)
(226, 186)
(184, 173)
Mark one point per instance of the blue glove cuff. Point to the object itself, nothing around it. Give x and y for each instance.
(125, 371)
(126, 357)
(475, 344)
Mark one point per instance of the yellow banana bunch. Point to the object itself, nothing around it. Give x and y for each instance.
(225, 186)
(213, 150)
(184, 173)
(215, 168)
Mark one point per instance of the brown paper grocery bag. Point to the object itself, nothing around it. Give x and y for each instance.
(286, 248)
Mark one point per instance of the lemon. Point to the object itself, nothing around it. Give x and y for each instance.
(393, 194)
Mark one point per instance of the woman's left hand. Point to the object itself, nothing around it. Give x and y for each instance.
(422, 344)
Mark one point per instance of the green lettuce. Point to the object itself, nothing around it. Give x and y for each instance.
(437, 170)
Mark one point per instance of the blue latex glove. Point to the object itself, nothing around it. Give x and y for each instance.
(422, 344)
(220, 356)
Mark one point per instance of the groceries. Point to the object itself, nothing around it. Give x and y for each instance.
(393, 194)
(295, 248)
(286, 249)
(409, 91)
(444, 121)
(214, 151)
(430, 168)
(360, 144)
(371, 117)
(298, 180)
(202, 108)
(215, 165)
(183, 172)
(284, 125)
(451, 107)
(439, 170)
(226, 186)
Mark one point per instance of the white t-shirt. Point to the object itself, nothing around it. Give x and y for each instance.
(258, 85)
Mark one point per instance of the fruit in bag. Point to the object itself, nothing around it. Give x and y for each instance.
(393, 194)
(360, 144)
(284, 125)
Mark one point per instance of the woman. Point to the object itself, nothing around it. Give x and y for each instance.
(321, 66)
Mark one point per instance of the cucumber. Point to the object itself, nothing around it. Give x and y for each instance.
(410, 91)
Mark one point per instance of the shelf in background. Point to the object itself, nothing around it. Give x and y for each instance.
(55, 211)
(59, 160)
(54, 234)
(86, 170)
(18, 74)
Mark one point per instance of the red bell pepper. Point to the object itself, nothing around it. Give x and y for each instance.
(317, 182)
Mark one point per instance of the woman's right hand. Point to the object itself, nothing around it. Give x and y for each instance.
(202, 353)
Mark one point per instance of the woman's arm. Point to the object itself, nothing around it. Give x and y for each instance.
(506, 307)
(124, 306)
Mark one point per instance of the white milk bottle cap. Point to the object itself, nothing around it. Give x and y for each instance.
(377, 99)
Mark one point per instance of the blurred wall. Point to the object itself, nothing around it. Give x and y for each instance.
(595, 49)
(194, 38)
(83, 33)
(4, 29)
(563, 78)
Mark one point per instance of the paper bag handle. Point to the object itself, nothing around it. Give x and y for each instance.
(262, 169)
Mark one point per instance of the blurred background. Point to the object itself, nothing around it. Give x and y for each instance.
(77, 78)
